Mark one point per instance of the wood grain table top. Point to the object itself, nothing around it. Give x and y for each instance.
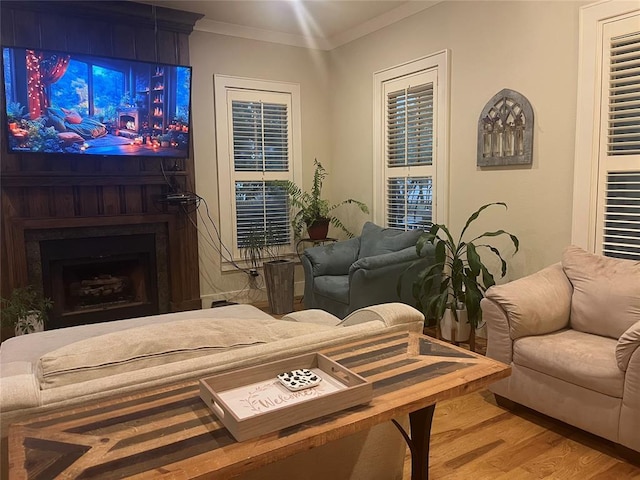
(170, 431)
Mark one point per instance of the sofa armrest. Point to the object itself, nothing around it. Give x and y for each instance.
(333, 258)
(403, 256)
(628, 343)
(536, 304)
(391, 314)
(313, 315)
(385, 278)
(630, 411)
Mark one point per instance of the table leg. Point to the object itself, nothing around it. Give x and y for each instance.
(420, 423)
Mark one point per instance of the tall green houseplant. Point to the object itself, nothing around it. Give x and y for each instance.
(458, 278)
(312, 208)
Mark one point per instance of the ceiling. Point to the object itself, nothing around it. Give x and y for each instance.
(322, 24)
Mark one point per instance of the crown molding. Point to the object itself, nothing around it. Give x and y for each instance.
(314, 42)
(242, 31)
(389, 18)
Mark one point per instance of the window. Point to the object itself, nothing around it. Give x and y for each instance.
(89, 89)
(410, 155)
(72, 90)
(108, 84)
(607, 179)
(258, 138)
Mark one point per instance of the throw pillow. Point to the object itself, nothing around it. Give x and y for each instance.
(72, 116)
(606, 292)
(376, 240)
(69, 138)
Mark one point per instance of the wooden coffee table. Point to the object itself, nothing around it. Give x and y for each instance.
(169, 431)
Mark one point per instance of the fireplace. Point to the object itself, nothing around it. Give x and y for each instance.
(101, 273)
(128, 122)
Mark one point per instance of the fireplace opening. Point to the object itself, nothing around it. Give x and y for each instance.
(100, 278)
(128, 122)
(98, 286)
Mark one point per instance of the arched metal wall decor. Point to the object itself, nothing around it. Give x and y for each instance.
(505, 130)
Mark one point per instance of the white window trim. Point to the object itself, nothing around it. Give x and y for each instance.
(593, 18)
(224, 137)
(440, 63)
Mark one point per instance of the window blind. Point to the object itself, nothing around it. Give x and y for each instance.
(260, 148)
(409, 151)
(262, 209)
(622, 216)
(409, 203)
(620, 166)
(260, 136)
(624, 95)
(410, 126)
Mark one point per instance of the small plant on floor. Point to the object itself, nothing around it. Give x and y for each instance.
(258, 247)
(23, 309)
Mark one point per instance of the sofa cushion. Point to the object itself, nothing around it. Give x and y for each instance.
(152, 345)
(606, 292)
(582, 359)
(376, 240)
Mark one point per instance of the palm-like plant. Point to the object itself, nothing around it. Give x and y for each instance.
(458, 278)
(312, 207)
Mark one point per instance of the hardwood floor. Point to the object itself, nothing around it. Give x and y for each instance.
(473, 438)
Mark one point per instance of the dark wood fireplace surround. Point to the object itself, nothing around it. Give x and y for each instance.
(44, 193)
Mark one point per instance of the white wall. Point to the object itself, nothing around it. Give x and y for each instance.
(211, 54)
(531, 47)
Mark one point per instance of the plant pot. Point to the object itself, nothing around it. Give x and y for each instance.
(278, 276)
(452, 330)
(318, 230)
(30, 324)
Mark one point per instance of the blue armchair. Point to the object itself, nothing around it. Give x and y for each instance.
(344, 276)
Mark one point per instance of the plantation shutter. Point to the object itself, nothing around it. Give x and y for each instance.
(619, 161)
(410, 151)
(261, 149)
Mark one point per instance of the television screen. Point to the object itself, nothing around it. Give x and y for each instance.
(69, 103)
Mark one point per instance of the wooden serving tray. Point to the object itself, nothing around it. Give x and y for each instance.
(251, 402)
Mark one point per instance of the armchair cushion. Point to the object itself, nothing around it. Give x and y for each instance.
(575, 357)
(536, 304)
(627, 344)
(376, 240)
(335, 287)
(606, 292)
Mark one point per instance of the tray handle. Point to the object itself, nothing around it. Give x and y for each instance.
(342, 375)
(217, 409)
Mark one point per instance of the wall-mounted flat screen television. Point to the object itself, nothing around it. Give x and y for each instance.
(68, 103)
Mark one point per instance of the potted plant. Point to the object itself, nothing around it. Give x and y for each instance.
(262, 249)
(15, 113)
(25, 310)
(314, 212)
(449, 291)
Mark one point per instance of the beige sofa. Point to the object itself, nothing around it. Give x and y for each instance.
(571, 334)
(58, 369)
